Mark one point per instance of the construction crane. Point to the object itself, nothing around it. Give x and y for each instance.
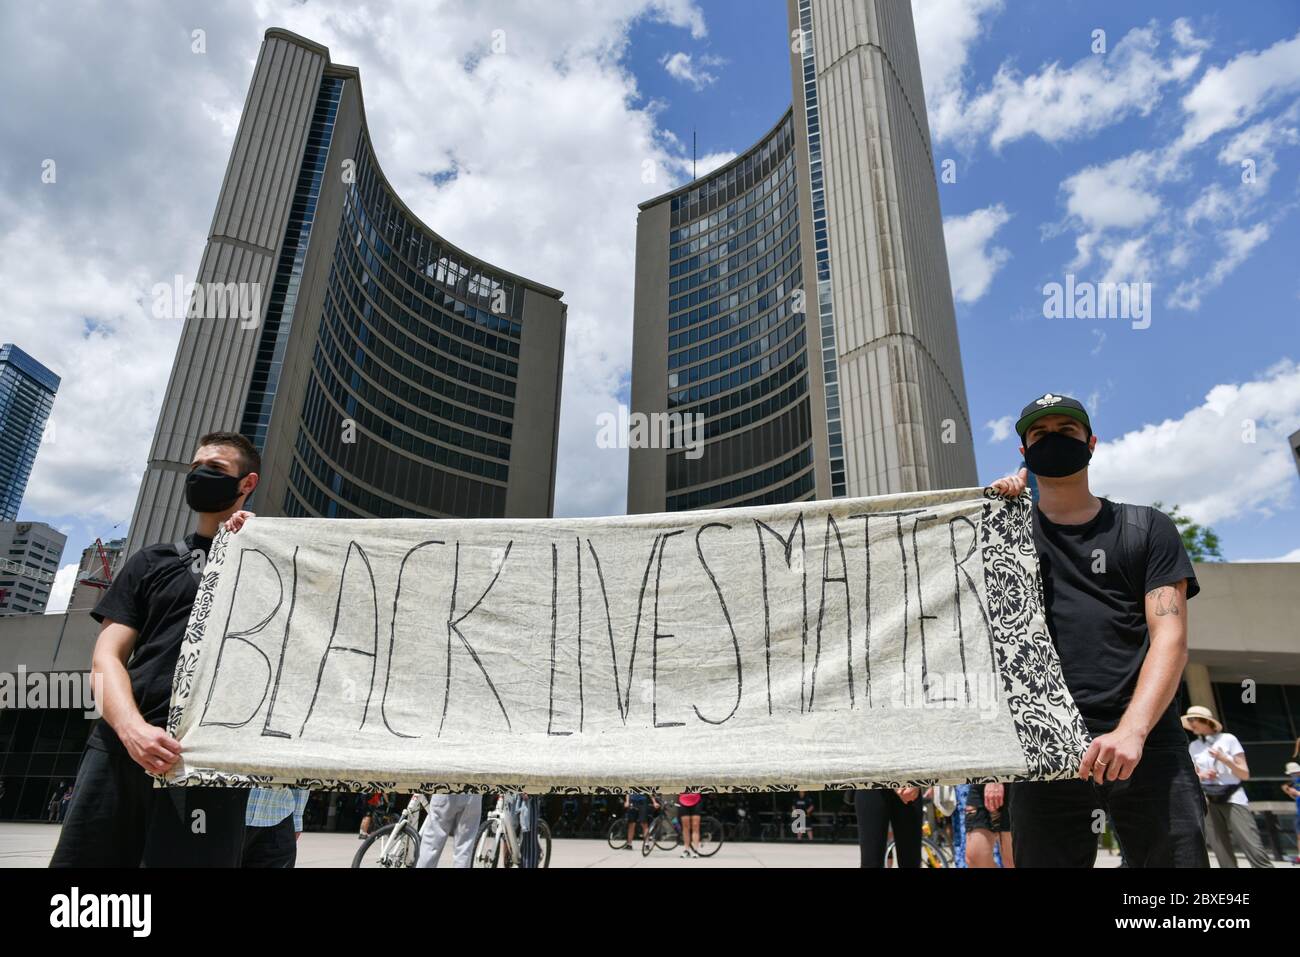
(101, 580)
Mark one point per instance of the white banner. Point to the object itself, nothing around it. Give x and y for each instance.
(822, 645)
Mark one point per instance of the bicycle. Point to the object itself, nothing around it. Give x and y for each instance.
(396, 844)
(932, 854)
(665, 834)
(499, 842)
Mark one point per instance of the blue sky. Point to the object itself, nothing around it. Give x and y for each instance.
(1122, 165)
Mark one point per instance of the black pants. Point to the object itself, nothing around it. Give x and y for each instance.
(119, 819)
(878, 808)
(1158, 815)
(274, 846)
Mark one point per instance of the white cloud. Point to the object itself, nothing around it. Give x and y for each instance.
(1235, 246)
(946, 31)
(1058, 104)
(1258, 144)
(972, 261)
(682, 66)
(1186, 37)
(1226, 96)
(1000, 429)
(140, 163)
(61, 592)
(1228, 457)
(1213, 204)
(1114, 195)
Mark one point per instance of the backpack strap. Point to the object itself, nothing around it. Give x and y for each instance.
(1134, 525)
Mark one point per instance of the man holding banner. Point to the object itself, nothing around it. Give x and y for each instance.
(117, 817)
(1115, 580)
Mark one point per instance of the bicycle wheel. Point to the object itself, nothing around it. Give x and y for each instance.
(618, 834)
(667, 837)
(379, 850)
(931, 855)
(489, 848)
(648, 841)
(711, 836)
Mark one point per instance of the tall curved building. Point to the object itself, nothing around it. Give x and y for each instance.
(796, 304)
(386, 373)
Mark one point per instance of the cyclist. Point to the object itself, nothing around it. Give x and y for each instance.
(689, 807)
(636, 809)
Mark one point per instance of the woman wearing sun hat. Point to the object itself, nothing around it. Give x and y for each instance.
(1220, 762)
(1292, 789)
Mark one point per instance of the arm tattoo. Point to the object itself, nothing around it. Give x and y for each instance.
(1166, 599)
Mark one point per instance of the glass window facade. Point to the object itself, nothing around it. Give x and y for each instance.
(27, 391)
(738, 342)
(288, 274)
(418, 355)
(821, 249)
(39, 753)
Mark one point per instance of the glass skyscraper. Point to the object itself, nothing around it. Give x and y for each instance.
(27, 391)
(796, 301)
(388, 373)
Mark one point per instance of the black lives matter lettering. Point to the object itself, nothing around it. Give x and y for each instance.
(694, 624)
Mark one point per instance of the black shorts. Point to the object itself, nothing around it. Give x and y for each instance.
(980, 818)
(692, 811)
(119, 819)
(637, 813)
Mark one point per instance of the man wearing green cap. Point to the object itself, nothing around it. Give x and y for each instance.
(1116, 580)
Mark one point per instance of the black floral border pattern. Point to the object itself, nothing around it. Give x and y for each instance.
(1051, 732)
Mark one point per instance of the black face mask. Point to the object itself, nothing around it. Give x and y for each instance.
(1057, 455)
(210, 490)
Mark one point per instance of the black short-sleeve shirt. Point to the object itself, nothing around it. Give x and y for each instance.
(153, 594)
(1097, 616)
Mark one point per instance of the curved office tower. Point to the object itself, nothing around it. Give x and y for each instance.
(381, 371)
(798, 298)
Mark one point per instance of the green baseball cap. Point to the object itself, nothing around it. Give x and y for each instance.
(1051, 403)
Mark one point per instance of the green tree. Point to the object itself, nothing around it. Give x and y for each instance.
(1201, 542)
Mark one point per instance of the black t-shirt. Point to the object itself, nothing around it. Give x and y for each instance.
(153, 594)
(1097, 619)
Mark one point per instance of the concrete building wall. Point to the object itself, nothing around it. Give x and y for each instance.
(895, 330)
(209, 379)
(646, 468)
(37, 548)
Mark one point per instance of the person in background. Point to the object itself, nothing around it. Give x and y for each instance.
(1116, 581)
(689, 807)
(52, 808)
(455, 817)
(636, 810)
(1220, 762)
(64, 802)
(117, 818)
(369, 805)
(988, 821)
(1292, 790)
(272, 826)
